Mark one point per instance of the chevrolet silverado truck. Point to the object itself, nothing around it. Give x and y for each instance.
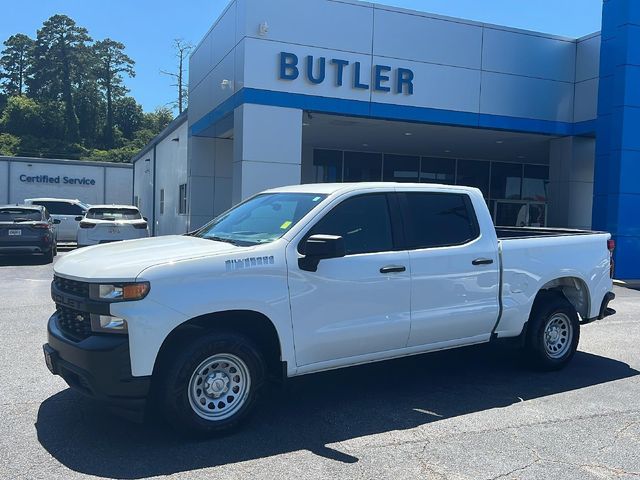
(301, 279)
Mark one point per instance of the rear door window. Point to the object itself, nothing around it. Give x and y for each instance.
(438, 219)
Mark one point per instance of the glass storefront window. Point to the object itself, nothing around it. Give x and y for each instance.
(506, 179)
(327, 165)
(534, 184)
(438, 170)
(362, 167)
(474, 173)
(400, 168)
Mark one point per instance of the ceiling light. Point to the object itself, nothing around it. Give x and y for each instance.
(305, 124)
(408, 134)
(365, 144)
(521, 156)
(447, 151)
(499, 141)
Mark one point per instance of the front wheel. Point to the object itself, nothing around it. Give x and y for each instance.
(212, 384)
(553, 332)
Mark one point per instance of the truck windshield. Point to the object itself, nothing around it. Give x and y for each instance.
(261, 219)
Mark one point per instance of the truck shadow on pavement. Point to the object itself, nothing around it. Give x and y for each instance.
(20, 260)
(315, 411)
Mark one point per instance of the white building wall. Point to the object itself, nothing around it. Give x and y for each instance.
(458, 65)
(102, 182)
(587, 78)
(143, 184)
(4, 182)
(171, 172)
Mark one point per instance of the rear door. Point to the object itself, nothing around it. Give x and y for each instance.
(454, 270)
(355, 305)
(66, 212)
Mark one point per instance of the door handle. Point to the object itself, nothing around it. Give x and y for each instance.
(482, 261)
(393, 269)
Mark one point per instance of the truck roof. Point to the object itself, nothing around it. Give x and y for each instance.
(331, 188)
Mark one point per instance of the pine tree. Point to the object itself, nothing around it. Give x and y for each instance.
(111, 63)
(15, 63)
(61, 57)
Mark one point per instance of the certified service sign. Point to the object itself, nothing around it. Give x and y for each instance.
(57, 180)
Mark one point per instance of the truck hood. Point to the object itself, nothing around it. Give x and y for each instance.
(124, 261)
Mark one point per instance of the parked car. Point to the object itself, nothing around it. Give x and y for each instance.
(65, 210)
(28, 229)
(307, 278)
(111, 223)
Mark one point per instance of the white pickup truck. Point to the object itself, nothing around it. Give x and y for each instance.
(301, 279)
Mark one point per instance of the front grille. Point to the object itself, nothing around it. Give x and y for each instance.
(73, 287)
(73, 323)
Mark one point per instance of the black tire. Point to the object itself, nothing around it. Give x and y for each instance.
(176, 376)
(55, 249)
(552, 307)
(48, 256)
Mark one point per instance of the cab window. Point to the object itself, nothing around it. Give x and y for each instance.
(363, 221)
(438, 219)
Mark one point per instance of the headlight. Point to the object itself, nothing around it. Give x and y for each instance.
(119, 292)
(108, 324)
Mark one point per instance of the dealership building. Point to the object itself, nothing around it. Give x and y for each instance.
(289, 91)
(90, 182)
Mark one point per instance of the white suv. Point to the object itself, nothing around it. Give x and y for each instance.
(63, 209)
(111, 223)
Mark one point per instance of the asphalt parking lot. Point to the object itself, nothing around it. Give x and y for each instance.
(475, 413)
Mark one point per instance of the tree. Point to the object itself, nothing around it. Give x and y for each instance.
(182, 49)
(15, 63)
(111, 64)
(61, 59)
(128, 116)
(158, 120)
(21, 116)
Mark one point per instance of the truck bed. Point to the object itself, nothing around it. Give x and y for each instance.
(506, 233)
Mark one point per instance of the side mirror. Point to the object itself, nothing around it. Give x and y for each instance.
(321, 247)
(56, 221)
(78, 218)
(145, 219)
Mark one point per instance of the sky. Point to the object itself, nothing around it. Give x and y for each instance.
(148, 27)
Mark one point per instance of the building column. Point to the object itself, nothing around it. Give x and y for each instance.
(267, 149)
(617, 168)
(571, 182)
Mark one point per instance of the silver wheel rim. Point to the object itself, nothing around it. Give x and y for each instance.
(219, 387)
(558, 335)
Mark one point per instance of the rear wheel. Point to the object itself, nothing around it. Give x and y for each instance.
(212, 384)
(553, 332)
(48, 256)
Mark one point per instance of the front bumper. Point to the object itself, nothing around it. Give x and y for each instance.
(98, 367)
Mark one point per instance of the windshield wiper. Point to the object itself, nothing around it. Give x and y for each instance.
(222, 239)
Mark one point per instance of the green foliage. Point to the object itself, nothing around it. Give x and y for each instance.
(8, 144)
(159, 119)
(22, 116)
(63, 95)
(16, 62)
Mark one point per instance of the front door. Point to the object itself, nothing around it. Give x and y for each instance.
(454, 269)
(358, 304)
